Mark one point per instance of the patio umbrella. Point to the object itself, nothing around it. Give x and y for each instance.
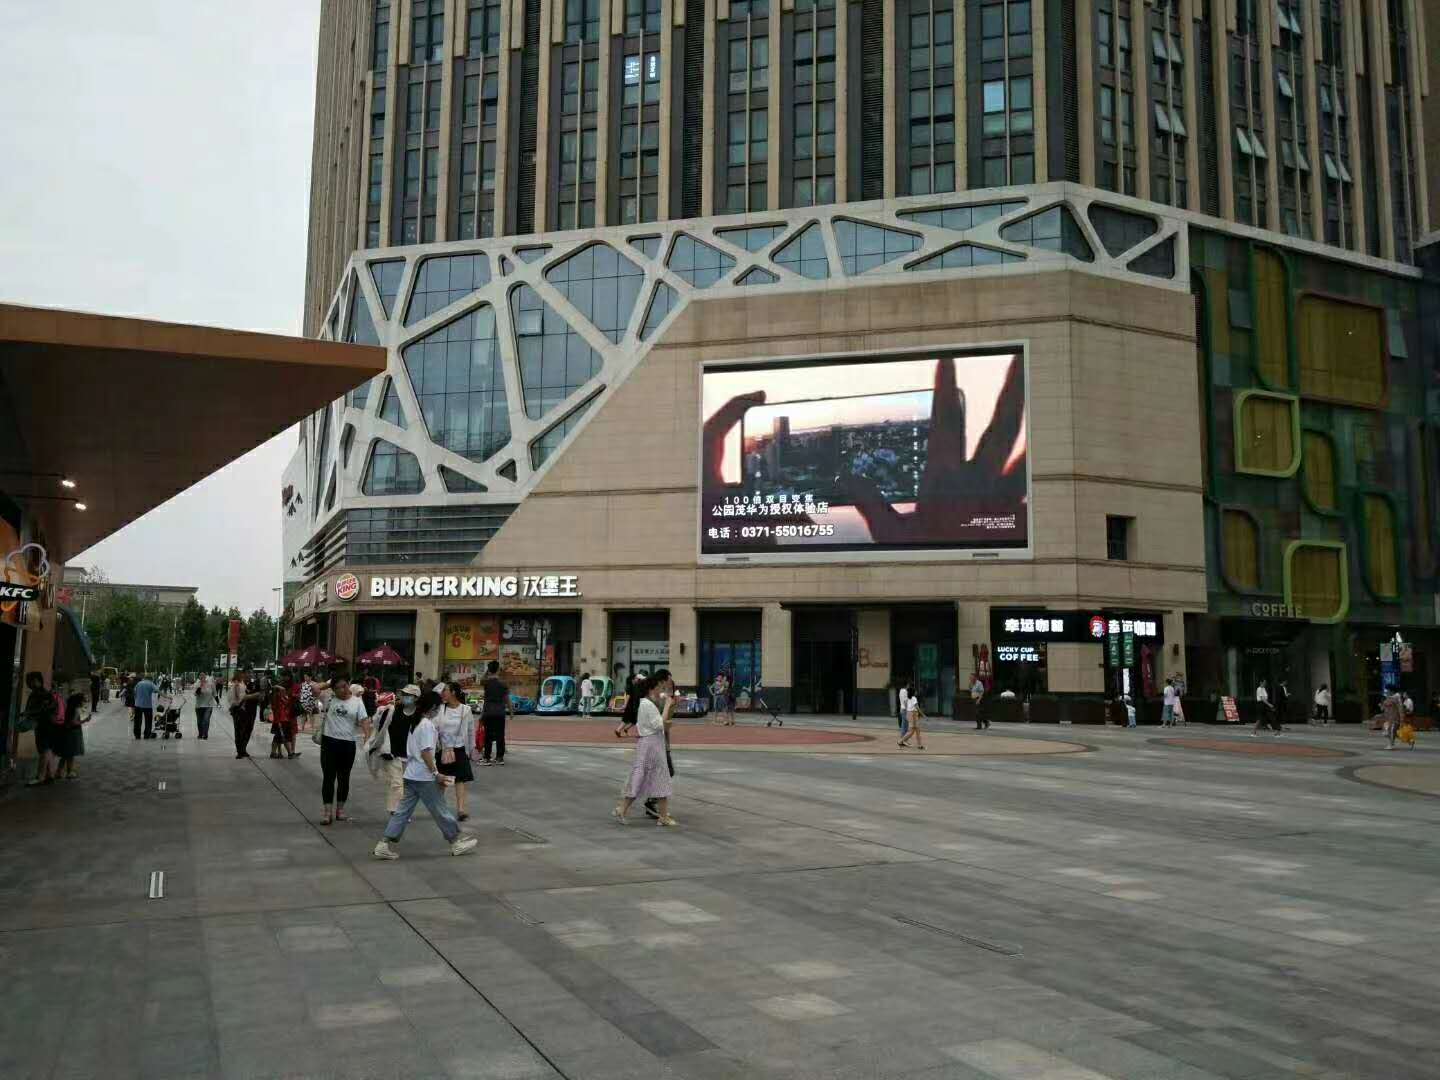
(384, 656)
(311, 656)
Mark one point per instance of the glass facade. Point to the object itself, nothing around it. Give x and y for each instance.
(928, 57)
(555, 360)
(813, 103)
(746, 150)
(1002, 94)
(459, 382)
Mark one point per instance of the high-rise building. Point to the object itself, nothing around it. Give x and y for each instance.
(447, 120)
(1155, 269)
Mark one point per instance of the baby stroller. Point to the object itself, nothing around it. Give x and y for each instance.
(167, 720)
(757, 701)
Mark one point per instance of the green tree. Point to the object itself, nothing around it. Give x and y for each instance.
(257, 639)
(192, 646)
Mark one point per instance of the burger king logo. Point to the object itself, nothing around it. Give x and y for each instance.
(347, 587)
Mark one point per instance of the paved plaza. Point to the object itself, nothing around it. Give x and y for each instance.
(1140, 904)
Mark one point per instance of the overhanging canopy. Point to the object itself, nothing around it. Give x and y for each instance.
(137, 411)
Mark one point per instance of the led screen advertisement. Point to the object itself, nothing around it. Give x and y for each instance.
(878, 454)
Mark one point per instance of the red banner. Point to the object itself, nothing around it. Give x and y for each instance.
(234, 635)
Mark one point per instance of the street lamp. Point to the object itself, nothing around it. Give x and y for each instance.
(278, 589)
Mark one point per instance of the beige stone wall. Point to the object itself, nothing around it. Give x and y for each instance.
(1109, 433)
(874, 670)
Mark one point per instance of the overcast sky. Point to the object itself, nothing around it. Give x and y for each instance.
(156, 162)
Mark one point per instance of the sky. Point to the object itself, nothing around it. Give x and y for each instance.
(156, 163)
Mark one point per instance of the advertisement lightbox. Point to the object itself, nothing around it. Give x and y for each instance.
(865, 456)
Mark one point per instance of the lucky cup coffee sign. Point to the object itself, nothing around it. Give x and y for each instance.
(347, 587)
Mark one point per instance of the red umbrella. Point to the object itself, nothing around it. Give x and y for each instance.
(311, 656)
(384, 656)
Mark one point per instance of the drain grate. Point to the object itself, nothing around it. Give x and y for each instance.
(979, 943)
(157, 884)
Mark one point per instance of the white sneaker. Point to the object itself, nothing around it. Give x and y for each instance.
(383, 850)
(463, 845)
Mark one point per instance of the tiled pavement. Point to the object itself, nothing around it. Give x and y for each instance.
(1140, 911)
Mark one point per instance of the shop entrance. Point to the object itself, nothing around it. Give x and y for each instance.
(923, 647)
(386, 628)
(730, 643)
(823, 661)
(639, 644)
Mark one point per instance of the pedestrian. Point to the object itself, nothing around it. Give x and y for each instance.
(1392, 708)
(1322, 703)
(244, 704)
(42, 716)
(144, 707)
(977, 695)
(1265, 712)
(633, 694)
(369, 696)
(127, 693)
(283, 721)
(587, 690)
(649, 775)
(205, 698)
(903, 700)
(455, 723)
(1282, 705)
(387, 749)
(94, 692)
(495, 711)
(720, 698)
(1171, 699)
(912, 719)
(667, 691)
(1130, 715)
(423, 783)
(70, 742)
(344, 719)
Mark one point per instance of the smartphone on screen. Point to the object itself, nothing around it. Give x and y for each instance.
(813, 446)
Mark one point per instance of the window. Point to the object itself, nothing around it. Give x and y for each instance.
(643, 16)
(1054, 229)
(460, 385)
(1381, 565)
(961, 218)
(582, 20)
(1120, 230)
(1265, 434)
(1342, 350)
(482, 28)
(864, 247)
(1117, 537)
(746, 116)
(1272, 358)
(1240, 550)
(964, 256)
(391, 410)
(698, 263)
(1319, 478)
(555, 361)
(392, 471)
(387, 275)
(662, 302)
(928, 76)
(427, 31)
(1316, 580)
(813, 109)
(442, 281)
(603, 286)
(579, 137)
(380, 40)
(805, 254)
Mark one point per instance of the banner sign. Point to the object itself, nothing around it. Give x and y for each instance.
(1229, 711)
(1078, 627)
(234, 639)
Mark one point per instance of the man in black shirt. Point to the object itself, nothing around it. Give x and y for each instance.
(495, 712)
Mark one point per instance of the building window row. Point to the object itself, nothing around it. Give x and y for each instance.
(1006, 117)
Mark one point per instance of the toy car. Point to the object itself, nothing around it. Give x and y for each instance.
(558, 695)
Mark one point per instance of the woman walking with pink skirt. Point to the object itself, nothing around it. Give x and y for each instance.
(649, 775)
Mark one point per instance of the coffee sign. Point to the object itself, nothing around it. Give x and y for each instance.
(1262, 609)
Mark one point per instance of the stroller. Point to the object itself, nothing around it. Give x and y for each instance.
(757, 701)
(167, 718)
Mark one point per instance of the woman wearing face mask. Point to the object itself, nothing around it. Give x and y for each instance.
(650, 776)
(386, 750)
(455, 724)
(344, 719)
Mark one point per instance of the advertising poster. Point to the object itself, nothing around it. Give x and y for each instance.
(471, 642)
(886, 454)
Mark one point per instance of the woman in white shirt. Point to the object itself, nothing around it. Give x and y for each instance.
(344, 720)
(649, 775)
(455, 724)
(912, 717)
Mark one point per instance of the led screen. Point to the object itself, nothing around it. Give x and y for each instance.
(896, 453)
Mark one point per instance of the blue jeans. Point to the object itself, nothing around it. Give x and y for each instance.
(430, 793)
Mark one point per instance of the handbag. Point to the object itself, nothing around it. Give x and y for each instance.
(318, 735)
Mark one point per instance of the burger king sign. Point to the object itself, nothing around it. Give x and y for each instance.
(347, 587)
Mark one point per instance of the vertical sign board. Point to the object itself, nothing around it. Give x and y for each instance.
(1129, 641)
(1112, 646)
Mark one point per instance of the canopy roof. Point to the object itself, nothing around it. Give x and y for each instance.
(136, 411)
